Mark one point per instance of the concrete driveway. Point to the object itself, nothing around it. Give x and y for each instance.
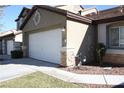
(12, 68)
(11, 71)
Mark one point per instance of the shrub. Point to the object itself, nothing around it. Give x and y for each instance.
(101, 49)
(16, 54)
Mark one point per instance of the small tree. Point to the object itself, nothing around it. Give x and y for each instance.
(101, 49)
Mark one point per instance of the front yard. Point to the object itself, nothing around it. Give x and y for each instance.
(41, 80)
(37, 80)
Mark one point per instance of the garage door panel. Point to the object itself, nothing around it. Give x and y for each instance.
(10, 46)
(46, 45)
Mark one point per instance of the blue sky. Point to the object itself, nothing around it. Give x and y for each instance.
(9, 16)
(12, 12)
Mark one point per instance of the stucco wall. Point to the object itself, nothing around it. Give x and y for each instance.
(18, 38)
(25, 44)
(4, 47)
(89, 11)
(0, 46)
(71, 8)
(18, 42)
(75, 34)
(102, 33)
(47, 19)
(81, 39)
(4, 43)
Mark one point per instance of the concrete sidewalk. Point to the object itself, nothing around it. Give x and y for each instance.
(14, 68)
(81, 78)
(20, 70)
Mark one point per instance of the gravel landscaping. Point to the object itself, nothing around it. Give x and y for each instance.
(110, 70)
(96, 86)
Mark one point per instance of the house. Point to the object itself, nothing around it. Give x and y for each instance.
(10, 40)
(110, 27)
(22, 16)
(58, 34)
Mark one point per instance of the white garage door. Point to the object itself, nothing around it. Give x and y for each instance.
(9, 46)
(46, 45)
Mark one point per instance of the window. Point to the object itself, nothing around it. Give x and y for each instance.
(116, 37)
(121, 41)
(20, 21)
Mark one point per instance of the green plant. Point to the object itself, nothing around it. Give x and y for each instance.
(16, 54)
(101, 49)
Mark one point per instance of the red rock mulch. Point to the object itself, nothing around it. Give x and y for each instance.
(95, 86)
(96, 70)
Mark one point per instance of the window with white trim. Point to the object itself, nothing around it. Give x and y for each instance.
(116, 37)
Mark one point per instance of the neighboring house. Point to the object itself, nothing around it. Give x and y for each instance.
(10, 40)
(72, 8)
(59, 34)
(22, 17)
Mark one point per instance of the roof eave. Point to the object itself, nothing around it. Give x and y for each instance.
(106, 20)
(28, 17)
(68, 14)
(24, 8)
(78, 18)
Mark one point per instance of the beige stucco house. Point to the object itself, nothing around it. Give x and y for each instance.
(10, 40)
(58, 34)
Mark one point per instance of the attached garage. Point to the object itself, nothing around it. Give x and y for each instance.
(46, 45)
(54, 35)
(10, 46)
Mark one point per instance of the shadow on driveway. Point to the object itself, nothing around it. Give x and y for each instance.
(5, 59)
(119, 86)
